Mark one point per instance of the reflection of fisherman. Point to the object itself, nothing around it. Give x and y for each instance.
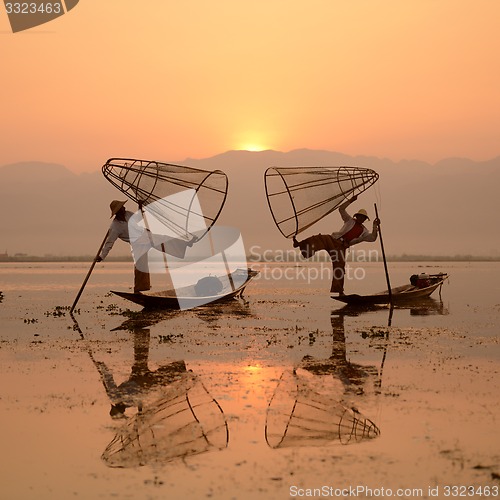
(176, 416)
(353, 376)
(352, 232)
(141, 381)
(316, 404)
(141, 241)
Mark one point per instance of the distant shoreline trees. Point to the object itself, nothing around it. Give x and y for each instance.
(268, 258)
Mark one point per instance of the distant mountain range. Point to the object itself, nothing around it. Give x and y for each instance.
(449, 208)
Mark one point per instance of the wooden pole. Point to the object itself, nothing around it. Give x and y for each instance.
(383, 256)
(89, 273)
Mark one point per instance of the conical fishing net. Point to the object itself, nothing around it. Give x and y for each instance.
(300, 196)
(186, 421)
(298, 415)
(185, 200)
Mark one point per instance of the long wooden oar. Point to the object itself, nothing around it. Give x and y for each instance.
(89, 273)
(383, 256)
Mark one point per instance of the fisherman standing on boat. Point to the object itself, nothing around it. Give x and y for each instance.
(126, 228)
(352, 232)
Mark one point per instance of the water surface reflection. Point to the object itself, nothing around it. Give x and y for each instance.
(310, 405)
(167, 413)
(175, 415)
(425, 306)
(182, 420)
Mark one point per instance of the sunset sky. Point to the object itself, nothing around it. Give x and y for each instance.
(165, 80)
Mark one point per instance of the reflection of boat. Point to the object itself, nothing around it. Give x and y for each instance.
(417, 289)
(424, 306)
(149, 317)
(428, 307)
(191, 295)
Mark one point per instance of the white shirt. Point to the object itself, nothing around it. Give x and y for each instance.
(117, 229)
(140, 239)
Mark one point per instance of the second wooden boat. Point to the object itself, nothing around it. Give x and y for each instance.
(418, 288)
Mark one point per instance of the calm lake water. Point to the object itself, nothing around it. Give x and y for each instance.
(267, 397)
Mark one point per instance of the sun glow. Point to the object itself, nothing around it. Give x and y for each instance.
(253, 147)
(255, 140)
(253, 368)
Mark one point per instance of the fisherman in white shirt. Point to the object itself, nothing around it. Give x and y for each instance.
(125, 226)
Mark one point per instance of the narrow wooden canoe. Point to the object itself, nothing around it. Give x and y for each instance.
(187, 297)
(400, 294)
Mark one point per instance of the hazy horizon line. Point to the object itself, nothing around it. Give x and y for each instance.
(394, 258)
(263, 151)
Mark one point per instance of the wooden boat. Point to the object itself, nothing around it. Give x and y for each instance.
(417, 289)
(189, 296)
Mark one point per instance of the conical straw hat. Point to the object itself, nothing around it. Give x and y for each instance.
(115, 205)
(362, 212)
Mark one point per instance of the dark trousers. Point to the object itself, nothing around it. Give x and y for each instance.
(141, 278)
(336, 250)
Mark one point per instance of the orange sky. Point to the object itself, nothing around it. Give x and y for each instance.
(165, 80)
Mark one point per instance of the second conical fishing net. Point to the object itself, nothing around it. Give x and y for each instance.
(300, 196)
(298, 415)
(186, 201)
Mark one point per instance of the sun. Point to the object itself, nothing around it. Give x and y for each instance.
(252, 140)
(253, 147)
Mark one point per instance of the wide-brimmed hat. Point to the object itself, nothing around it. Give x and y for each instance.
(115, 205)
(362, 212)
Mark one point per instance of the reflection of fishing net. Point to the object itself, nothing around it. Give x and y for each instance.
(300, 196)
(186, 421)
(184, 199)
(298, 415)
